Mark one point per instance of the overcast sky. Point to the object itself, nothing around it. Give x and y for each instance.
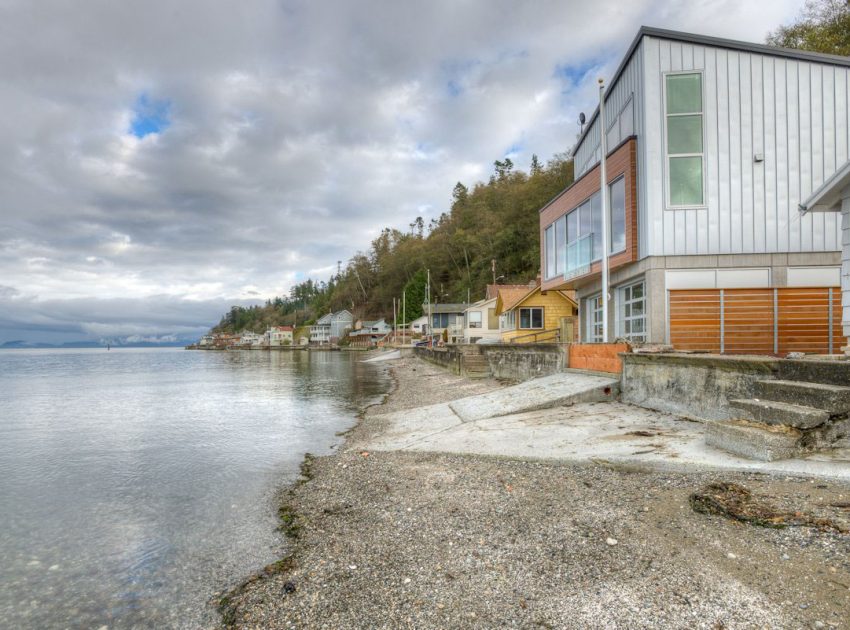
(161, 160)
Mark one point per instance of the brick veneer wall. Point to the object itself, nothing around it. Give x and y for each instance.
(622, 161)
(600, 357)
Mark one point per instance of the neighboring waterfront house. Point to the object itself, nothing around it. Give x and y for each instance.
(370, 332)
(331, 328)
(711, 146)
(206, 340)
(320, 332)
(481, 322)
(280, 336)
(419, 326)
(529, 315)
(249, 338)
(341, 323)
(447, 317)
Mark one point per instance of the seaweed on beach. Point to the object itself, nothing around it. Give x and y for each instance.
(736, 502)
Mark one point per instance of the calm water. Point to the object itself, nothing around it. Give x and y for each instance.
(135, 484)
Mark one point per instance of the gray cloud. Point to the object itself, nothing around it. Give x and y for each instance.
(297, 130)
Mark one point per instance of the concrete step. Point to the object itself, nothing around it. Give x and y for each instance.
(781, 413)
(832, 398)
(753, 440)
(540, 393)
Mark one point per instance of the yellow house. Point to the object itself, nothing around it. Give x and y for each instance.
(529, 315)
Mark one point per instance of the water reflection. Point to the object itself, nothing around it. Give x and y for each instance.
(137, 482)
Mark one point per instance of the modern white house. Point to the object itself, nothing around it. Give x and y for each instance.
(711, 147)
(834, 196)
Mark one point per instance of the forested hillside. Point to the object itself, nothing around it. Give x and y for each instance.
(496, 220)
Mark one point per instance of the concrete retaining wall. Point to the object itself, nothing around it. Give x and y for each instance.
(526, 361)
(694, 386)
(519, 362)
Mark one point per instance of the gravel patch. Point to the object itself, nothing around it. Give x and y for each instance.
(429, 540)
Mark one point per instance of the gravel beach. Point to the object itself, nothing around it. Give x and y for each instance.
(429, 540)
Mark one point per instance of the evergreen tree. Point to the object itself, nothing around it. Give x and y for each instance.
(823, 26)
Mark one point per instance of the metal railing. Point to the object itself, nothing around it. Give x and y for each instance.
(553, 335)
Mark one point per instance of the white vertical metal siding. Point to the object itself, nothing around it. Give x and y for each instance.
(617, 102)
(794, 113)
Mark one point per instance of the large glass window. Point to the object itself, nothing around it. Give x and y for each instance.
(560, 245)
(633, 312)
(474, 319)
(684, 139)
(617, 196)
(531, 318)
(594, 319)
(596, 224)
(550, 251)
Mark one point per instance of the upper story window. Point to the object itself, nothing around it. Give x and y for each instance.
(617, 201)
(474, 319)
(549, 244)
(685, 165)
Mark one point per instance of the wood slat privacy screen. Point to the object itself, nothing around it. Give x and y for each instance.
(756, 321)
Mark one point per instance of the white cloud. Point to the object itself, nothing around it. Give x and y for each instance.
(296, 130)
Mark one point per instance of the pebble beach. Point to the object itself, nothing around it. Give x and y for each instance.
(431, 540)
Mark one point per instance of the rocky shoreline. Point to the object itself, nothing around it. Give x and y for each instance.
(429, 540)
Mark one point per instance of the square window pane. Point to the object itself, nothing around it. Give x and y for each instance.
(560, 245)
(572, 226)
(585, 219)
(686, 181)
(596, 224)
(684, 93)
(618, 215)
(684, 134)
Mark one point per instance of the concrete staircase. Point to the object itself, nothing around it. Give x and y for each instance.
(476, 366)
(784, 419)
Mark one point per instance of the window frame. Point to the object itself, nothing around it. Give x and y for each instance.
(592, 322)
(531, 318)
(551, 255)
(616, 180)
(665, 140)
(622, 302)
(475, 324)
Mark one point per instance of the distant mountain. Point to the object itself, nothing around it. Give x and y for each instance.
(20, 344)
(24, 344)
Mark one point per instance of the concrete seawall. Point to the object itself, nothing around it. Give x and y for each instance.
(519, 362)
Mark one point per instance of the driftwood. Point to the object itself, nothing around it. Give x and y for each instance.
(738, 503)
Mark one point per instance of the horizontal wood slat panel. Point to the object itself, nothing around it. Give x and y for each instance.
(802, 320)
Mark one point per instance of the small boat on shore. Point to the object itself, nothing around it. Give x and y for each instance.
(386, 356)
